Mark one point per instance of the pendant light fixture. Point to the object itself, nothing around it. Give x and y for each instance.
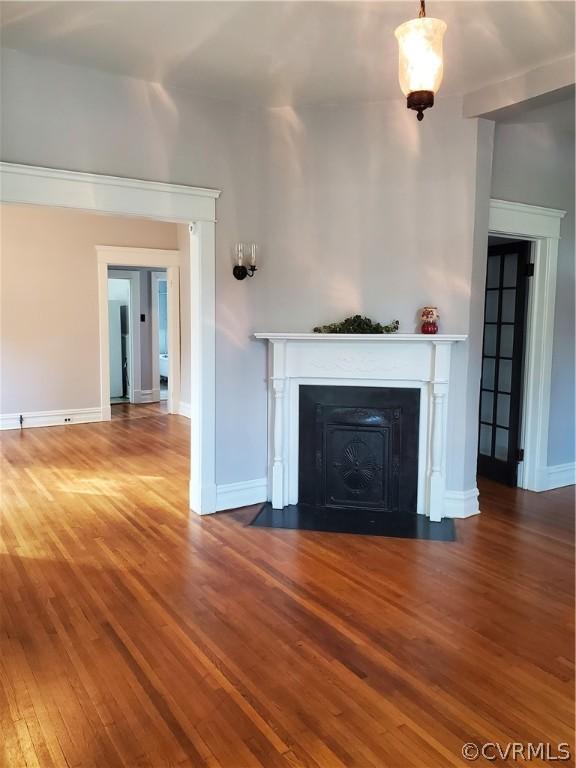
(420, 60)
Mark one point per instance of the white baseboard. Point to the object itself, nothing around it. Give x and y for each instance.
(234, 495)
(146, 396)
(461, 504)
(184, 409)
(50, 418)
(457, 504)
(556, 476)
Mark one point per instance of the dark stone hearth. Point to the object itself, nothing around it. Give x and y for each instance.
(359, 521)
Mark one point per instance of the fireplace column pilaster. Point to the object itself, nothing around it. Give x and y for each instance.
(438, 396)
(278, 388)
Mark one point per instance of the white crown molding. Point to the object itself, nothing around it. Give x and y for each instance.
(97, 179)
(538, 82)
(533, 210)
(50, 418)
(524, 220)
(34, 185)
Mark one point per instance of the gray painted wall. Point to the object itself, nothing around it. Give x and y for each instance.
(369, 211)
(125, 127)
(534, 163)
(357, 208)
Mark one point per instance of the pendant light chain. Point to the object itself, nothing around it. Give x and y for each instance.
(422, 12)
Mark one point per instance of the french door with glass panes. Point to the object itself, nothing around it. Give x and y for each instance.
(501, 387)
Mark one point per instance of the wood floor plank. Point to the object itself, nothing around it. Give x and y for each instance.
(134, 634)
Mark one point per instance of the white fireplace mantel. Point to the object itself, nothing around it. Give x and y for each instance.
(372, 360)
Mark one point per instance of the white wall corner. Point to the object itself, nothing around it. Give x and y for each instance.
(202, 498)
(51, 418)
(184, 409)
(460, 504)
(243, 494)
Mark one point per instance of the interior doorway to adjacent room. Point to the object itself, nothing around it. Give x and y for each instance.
(138, 335)
(193, 211)
(500, 440)
(123, 289)
(139, 323)
(160, 333)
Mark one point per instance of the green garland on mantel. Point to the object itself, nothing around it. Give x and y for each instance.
(358, 324)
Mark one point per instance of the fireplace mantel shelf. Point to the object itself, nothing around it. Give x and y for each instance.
(378, 337)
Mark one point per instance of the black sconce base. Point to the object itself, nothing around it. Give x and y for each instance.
(241, 272)
(419, 101)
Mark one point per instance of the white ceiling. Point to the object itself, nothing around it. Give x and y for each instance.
(280, 53)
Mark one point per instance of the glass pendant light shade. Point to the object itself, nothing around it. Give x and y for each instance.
(420, 60)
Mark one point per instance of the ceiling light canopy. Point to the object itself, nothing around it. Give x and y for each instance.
(420, 59)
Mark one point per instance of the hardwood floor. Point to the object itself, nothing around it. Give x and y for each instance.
(134, 634)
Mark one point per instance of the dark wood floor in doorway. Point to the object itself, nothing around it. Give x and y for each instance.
(135, 634)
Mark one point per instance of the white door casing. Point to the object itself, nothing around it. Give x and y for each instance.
(142, 257)
(541, 226)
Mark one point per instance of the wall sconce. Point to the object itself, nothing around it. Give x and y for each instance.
(240, 270)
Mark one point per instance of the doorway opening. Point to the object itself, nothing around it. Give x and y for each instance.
(138, 337)
(139, 305)
(194, 210)
(160, 333)
(123, 299)
(500, 438)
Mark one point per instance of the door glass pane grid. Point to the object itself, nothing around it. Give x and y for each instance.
(504, 308)
(500, 310)
(496, 361)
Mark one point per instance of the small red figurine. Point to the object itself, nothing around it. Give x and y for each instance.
(429, 318)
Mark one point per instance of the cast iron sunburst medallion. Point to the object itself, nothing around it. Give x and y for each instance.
(358, 466)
